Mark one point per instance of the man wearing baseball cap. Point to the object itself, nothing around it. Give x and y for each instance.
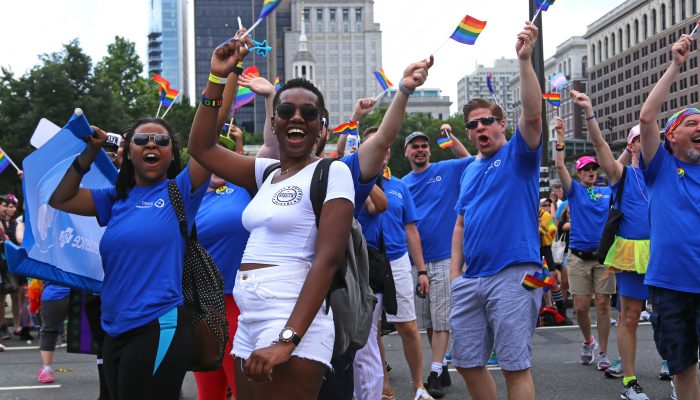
(435, 188)
(589, 205)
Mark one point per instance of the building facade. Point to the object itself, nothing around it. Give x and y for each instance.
(473, 86)
(629, 49)
(167, 42)
(346, 46)
(422, 101)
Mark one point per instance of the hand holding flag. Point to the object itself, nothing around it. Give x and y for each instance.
(542, 5)
(268, 7)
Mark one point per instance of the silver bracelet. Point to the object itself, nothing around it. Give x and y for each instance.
(403, 89)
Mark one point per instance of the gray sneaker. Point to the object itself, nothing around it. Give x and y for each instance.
(588, 352)
(633, 392)
(603, 361)
(615, 370)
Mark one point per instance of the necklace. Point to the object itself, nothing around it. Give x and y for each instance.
(294, 167)
(285, 171)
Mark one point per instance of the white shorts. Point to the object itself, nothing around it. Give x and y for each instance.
(266, 298)
(406, 307)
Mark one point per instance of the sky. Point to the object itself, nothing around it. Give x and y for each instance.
(411, 30)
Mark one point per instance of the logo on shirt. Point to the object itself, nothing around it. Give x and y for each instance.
(66, 236)
(681, 172)
(287, 196)
(494, 164)
(160, 203)
(224, 190)
(395, 193)
(435, 179)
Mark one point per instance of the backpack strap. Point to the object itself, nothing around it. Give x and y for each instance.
(319, 186)
(270, 169)
(618, 195)
(178, 206)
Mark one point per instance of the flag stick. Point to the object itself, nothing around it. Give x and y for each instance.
(495, 100)
(438, 49)
(10, 160)
(171, 104)
(536, 14)
(240, 24)
(160, 103)
(230, 125)
(251, 29)
(694, 29)
(380, 95)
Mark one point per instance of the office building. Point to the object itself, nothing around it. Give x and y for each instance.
(167, 42)
(473, 86)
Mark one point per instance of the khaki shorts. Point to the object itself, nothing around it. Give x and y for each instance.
(587, 277)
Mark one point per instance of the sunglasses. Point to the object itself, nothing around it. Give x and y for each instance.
(142, 139)
(589, 168)
(485, 121)
(308, 112)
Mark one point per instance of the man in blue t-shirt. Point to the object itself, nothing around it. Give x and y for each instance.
(435, 187)
(672, 174)
(490, 308)
(589, 206)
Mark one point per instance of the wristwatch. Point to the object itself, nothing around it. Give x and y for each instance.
(288, 335)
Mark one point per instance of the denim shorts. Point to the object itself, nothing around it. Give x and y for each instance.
(266, 298)
(676, 322)
(494, 313)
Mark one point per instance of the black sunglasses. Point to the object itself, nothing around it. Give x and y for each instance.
(589, 168)
(142, 139)
(485, 121)
(308, 112)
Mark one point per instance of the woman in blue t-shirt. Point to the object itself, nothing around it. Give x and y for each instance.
(149, 341)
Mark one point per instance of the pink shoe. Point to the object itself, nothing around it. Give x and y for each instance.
(44, 375)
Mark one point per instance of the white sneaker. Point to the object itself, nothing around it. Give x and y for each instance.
(644, 316)
(588, 352)
(422, 394)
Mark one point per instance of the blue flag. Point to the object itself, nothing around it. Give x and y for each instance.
(61, 247)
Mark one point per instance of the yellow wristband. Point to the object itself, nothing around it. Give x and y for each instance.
(217, 79)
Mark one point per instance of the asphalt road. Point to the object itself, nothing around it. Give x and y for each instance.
(556, 368)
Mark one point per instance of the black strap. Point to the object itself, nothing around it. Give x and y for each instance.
(319, 186)
(178, 206)
(382, 244)
(618, 194)
(270, 169)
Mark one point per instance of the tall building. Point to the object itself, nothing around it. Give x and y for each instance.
(423, 101)
(473, 86)
(629, 49)
(167, 42)
(346, 46)
(216, 21)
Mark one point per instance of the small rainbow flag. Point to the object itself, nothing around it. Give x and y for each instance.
(468, 30)
(278, 86)
(383, 80)
(268, 7)
(346, 128)
(4, 160)
(544, 4)
(489, 80)
(445, 142)
(552, 98)
(164, 83)
(168, 96)
(243, 97)
(558, 80)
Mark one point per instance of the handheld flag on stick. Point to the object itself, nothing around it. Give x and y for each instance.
(5, 160)
(171, 97)
(383, 81)
(346, 128)
(468, 30)
(552, 98)
(542, 5)
(278, 86)
(164, 83)
(692, 34)
(268, 7)
(558, 81)
(489, 85)
(244, 94)
(445, 142)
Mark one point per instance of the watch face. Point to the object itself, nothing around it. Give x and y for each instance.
(287, 334)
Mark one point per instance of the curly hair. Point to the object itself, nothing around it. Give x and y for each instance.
(303, 84)
(126, 179)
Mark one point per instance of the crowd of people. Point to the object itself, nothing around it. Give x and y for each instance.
(456, 266)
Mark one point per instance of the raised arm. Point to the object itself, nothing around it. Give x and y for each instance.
(651, 108)
(457, 258)
(203, 143)
(362, 108)
(563, 172)
(270, 147)
(416, 251)
(457, 149)
(530, 122)
(68, 196)
(372, 152)
(612, 168)
(230, 90)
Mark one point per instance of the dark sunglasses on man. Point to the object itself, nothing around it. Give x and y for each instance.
(308, 112)
(485, 121)
(160, 139)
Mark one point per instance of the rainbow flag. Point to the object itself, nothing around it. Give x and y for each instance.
(346, 128)
(268, 7)
(168, 96)
(468, 30)
(445, 142)
(383, 80)
(244, 94)
(252, 70)
(164, 83)
(552, 98)
(489, 80)
(558, 80)
(544, 4)
(278, 86)
(4, 160)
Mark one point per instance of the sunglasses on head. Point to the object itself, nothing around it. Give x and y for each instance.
(485, 121)
(589, 168)
(142, 139)
(308, 112)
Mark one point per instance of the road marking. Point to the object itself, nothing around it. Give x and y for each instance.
(546, 328)
(30, 347)
(30, 387)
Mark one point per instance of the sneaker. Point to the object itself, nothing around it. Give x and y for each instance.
(615, 370)
(644, 316)
(445, 377)
(25, 335)
(664, 374)
(422, 394)
(588, 352)
(2, 348)
(45, 375)
(603, 361)
(447, 359)
(673, 392)
(633, 392)
(387, 367)
(435, 386)
(613, 321)
(388, 394)
(493, 360)
(5, 333)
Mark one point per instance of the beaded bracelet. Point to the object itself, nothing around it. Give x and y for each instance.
(211, 102)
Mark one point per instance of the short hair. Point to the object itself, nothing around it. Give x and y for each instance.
(369, 131)
(556, 185)
(475, 104)
(303, 84)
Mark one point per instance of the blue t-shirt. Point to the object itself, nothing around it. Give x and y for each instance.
(142, 252)
(560, 209)
(400, 212)
(221, 231)
(435, 192)
(498, 199)
(54, 292)
(635, 207)
(588, 212)
(674, 209)
(362, 190)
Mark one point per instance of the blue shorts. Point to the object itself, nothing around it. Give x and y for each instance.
(494, 312)
(676, 322)
(631, 284)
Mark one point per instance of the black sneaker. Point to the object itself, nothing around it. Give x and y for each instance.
(25, 335)
(434, 386)
(445, 377)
